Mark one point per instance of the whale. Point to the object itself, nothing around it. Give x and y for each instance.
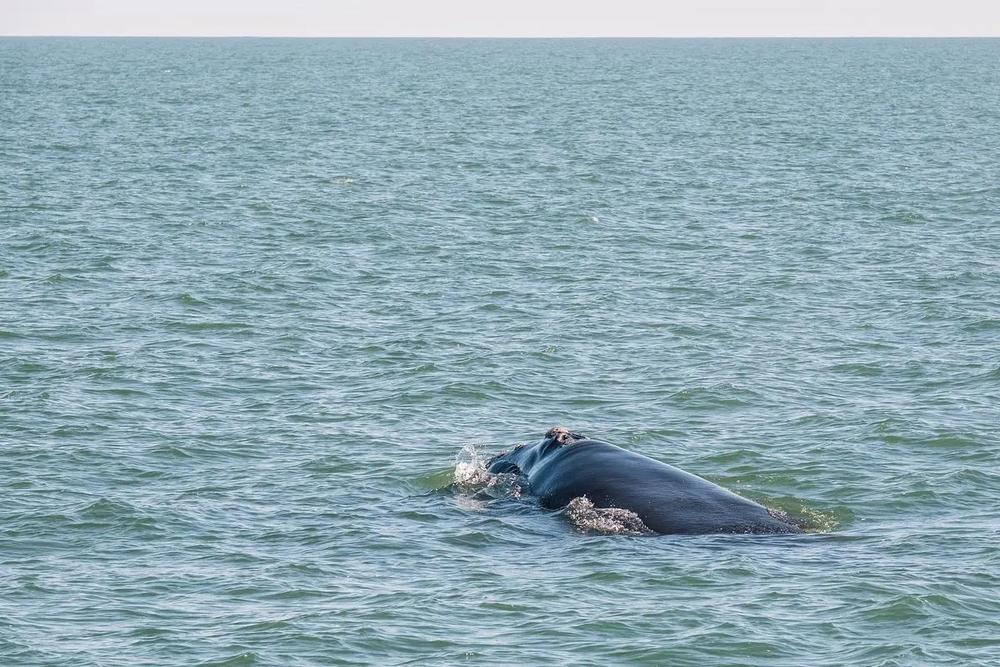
(565, 466)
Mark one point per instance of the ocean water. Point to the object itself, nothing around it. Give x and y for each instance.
(266, 304)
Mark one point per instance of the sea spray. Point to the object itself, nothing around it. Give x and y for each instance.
(472, 478)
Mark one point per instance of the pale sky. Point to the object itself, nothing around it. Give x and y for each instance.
(504, 18)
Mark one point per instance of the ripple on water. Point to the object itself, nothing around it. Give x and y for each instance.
(254, 295)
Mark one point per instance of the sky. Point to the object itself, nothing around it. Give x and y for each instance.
(503, 18)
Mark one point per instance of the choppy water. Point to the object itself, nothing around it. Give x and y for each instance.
(257, 295)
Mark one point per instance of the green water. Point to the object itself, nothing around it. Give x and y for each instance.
(256, 296)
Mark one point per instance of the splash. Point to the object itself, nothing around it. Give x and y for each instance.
(797, 513)
(816, 521)
(471, 477)
(604, 520)
(470, 468)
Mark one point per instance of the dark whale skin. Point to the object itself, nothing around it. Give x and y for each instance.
(667, 499)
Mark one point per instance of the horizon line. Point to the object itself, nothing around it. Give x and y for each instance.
(469, 37)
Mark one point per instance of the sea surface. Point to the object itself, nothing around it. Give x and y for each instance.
(267, 305)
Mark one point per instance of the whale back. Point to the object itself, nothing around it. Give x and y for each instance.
(666, 498)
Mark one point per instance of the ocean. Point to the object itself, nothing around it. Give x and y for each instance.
(266, 305)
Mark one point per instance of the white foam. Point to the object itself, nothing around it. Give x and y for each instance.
(604, 520)
(472, 477)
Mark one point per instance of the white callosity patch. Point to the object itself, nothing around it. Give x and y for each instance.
(604, 520)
